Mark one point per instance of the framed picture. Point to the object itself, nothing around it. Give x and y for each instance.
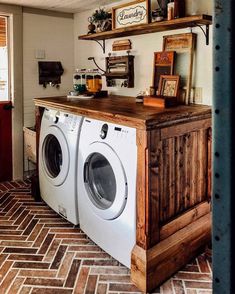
(163, 65)
(168, 85)
(130, 14)
(184, 46)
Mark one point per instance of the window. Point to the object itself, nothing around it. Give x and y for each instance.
(4, 72)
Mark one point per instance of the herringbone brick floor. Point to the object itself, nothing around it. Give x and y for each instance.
(40, 252)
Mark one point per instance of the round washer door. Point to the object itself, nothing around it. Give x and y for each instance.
(55, 156)
(105, 181)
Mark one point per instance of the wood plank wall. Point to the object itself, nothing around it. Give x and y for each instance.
(183, 173)
(2, 31)
(184, 169)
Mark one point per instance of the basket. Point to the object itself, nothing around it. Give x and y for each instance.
(30, 143)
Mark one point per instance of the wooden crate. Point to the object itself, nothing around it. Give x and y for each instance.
(30, 144)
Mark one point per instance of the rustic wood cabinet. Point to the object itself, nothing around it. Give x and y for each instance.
(173, 180)
(173, 199)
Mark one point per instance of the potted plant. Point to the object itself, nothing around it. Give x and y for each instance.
(103, 20)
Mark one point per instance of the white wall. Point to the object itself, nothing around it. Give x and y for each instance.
(55, 36)
(143, 48)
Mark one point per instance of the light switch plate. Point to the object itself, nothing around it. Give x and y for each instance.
(197, 95)
(40, 54)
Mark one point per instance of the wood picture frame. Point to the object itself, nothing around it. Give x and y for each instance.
(184, 46)
(131, 14)
(163, 64)
(169, 85)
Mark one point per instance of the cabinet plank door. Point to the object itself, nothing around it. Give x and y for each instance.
(184, 171)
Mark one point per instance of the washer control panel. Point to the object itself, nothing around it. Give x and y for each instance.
(70, 122)
(107, 132)
(122, 133)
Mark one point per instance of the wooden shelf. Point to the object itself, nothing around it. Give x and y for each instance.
(166, 25)
(116, 74)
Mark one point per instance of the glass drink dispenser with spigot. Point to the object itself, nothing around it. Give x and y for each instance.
(93, 81)
(79, 81)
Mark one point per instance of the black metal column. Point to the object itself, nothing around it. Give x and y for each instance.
(223, 150)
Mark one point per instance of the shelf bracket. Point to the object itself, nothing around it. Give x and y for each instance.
(205, 32)
(102, 45)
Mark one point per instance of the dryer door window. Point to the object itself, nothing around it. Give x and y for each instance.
(55, 156)
(101, 181)
(105, 181)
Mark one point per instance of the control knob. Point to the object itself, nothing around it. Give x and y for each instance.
(104, 131)
(56, 117)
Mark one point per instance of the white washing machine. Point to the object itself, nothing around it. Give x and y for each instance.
(58, 151)
(107, 190)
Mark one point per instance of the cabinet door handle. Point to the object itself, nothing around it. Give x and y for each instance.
(8, 107)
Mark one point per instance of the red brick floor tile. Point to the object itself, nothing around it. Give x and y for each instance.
(38, 273)
(91, 284)
(65, 266)
(25, 290)
(82, 280)
(17, 283)
(6, 282)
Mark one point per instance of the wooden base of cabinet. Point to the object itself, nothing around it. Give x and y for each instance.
(152, 267)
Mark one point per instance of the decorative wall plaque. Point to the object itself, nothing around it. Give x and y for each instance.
(184, 46)
(163, 65)
(130, 14)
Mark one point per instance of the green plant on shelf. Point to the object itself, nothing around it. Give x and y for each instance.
(102, 19)
(100, 14)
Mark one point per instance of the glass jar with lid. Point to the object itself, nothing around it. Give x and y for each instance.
(93, 80)
(79, 81)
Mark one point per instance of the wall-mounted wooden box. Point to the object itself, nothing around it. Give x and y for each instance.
(120, 67)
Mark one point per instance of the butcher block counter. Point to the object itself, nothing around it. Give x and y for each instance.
(173, 179)
(123, 110)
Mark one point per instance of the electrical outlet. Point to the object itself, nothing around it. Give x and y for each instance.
(197, 95)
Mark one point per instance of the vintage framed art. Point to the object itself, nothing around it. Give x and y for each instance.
(168, 85)
(130, 14)
(184, 46)
(163, 64)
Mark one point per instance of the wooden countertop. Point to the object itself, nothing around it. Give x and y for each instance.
(125, 111)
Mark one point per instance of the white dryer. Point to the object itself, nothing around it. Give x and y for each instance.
(107, 190)
(58, 149)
